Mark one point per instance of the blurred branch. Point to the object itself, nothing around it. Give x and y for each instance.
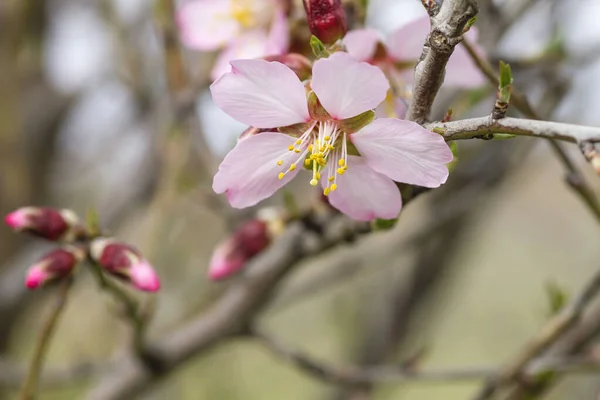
(446, 32)
(13, 375)
(549, 333)
(28, 390)
(351, 375)
(485, 127)
(233, 312)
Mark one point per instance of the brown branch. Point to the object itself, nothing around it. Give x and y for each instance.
(352, 375)
(232, 313)
(446, 32)
(28, 390)
(549, 333)
(13, 375)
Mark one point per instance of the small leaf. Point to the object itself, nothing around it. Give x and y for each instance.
(439, 130)
(318, 48)
(505, 84)
(383, 224)
(469, 24)
(355, 124)
(92, 221)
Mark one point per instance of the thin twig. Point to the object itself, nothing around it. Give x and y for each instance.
(29, 387)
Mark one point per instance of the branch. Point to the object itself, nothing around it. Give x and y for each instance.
(549, 334)
(446, 32)
(29, 387)
(485, 127)
(351, 375)
(13, 375)
(232, 313)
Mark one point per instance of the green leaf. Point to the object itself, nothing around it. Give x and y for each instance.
(506, 80)
(92, 221)
(355, 124)
(383, 224)
(318, 48)
(469, 24)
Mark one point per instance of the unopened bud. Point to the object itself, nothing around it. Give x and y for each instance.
(125, 262)
(301, 65)
(250, 239)
(55, 265)
(326, 19)
(48, 223)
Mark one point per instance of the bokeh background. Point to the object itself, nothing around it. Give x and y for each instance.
(91, 115)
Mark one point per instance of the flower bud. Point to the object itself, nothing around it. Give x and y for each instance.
(53, 266)
(125, 262)
(326, 19)
(48, 223)
(301, 65)
(250, 239)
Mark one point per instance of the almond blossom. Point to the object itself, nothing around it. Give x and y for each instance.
(356, 163)
(397, 58)
(241, 28)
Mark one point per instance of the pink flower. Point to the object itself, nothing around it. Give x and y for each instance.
(125, 262)
(244, 28)
(403, 48)
(45, 222)
(55, 265)
(356, 168)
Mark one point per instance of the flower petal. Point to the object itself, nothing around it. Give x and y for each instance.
(406, 43)
(262, 94)
(404, 151)
(364, 194)
(361, 43)
(206, 24)
(278, 41)
(249, 173)
(347, 87)
(249, 45)
(461, 70)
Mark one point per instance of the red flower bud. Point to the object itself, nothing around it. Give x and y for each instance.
(53, 266)
(125, 262)
(45, 222)
(301, 65)
(326, 19)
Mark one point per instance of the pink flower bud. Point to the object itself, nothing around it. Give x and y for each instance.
(326, 19)
(125, 262)
(301, 65)
(53, 266)
(45, 222)
(250, 239)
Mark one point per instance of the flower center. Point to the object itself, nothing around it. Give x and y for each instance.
(324, 151)
(241, 11)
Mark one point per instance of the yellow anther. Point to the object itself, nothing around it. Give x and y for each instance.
(298, 142)
(326, 191)
(310, 147)
(292, 167)
(341, 162)
(330, 147)
(281, 175)
(314, 182)
(307, 162)
(345, 167)
(333, 187)
(291, 147)
(322, 162)
(322, 149)
(331, 178)
(317, 175)
(296, 150)
(327, 138)
(341, 171)
(280, 162)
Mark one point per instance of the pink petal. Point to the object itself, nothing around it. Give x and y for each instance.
(36, 277)
(249, 173)
(461, 71)
(249, 45)
(262, 94)
(144, 277)
(206, 24)
(404, 151)
(361, 43)
(17, 219)
(406, 43)
(347, 87)
(278, 41)
(392, 108)
(223, 265)
(364, 194)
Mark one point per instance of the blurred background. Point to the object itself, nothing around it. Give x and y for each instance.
(101, 106)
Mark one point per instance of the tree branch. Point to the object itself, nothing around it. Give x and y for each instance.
(446, 32)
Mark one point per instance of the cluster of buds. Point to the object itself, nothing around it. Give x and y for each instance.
(248, 240)
(125, 262)
(326, 19)
(115, 258)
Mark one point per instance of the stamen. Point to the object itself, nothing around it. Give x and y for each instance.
(326, 191)
(280, 163)
(292, 167)
(341, 162)
(333, 187)
(281, 175)
(313, 182)
(331, 178)
(298, 142)
(291, 147)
